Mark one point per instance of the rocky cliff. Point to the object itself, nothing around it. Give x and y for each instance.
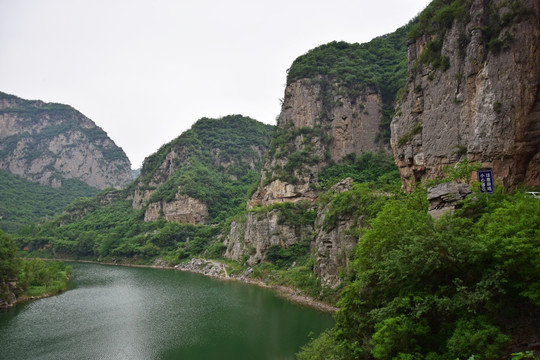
(473, 92)
(46, 142)
(319, 123)
(204, 174)
(334, 109)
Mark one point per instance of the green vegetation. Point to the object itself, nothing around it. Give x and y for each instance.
(440, 15)
(438, 289)
(515, 11)
(378, 168)
(218, 162)
(292, 265)
(435, 20)
(380, 65)
(361, 203)
(295, 144)
(32, 277)
(90, 229)
(37, 277)
(23, 202)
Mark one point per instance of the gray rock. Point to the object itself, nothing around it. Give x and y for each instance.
(444, 197)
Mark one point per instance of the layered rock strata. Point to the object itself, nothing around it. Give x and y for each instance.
(317, 125)
(485, 106)
(45, 143)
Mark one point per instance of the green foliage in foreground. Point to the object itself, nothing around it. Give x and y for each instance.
(23, 202)
(33, 277)
(438, 289)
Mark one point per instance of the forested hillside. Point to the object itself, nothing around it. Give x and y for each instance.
(23, 202)
(215, 164)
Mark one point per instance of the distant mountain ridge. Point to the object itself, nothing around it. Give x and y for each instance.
(48, 142)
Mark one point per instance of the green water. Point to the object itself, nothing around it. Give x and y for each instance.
(112, 312)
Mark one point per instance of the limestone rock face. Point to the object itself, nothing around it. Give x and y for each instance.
(333, 247)
(256, 233)
(183, 209)
(317, 125)
(351, 123)
(46, 143)
(443, 197)
(484, 107)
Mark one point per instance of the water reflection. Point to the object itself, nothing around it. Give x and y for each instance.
(133, 313)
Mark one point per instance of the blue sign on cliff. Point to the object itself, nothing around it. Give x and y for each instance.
(485, 178)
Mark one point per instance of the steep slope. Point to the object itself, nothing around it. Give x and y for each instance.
(338, 101)
(46, 143)
(23, 202)
(203, 175)
(174, 208)
(337, 107)
(473, 92)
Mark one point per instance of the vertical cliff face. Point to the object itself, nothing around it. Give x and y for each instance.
(335, 105)
(473, 92)
(257, 232)
(45, 142)
(319, 123)
(333, 245)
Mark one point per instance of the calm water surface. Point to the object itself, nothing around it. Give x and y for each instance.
(112, 312)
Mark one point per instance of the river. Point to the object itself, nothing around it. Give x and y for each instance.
(113, 312)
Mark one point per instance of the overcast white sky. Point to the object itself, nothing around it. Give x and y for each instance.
(145, 71)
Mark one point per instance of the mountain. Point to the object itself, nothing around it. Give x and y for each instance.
(335, 115)
(176, 206)
(203, 175)
(48, 143)
(318, 203)
(472, 92)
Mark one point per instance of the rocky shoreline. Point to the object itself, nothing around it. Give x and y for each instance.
(218, 270)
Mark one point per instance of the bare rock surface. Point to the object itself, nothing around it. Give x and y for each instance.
(484, 107)
(45, 143)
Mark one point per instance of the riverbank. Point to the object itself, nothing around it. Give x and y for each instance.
(218, 270)
(35, 280)
(24, 298)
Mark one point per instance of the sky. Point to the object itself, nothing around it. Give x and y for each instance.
(145, 71)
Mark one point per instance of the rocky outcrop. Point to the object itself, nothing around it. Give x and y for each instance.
(333, 247)
(45, 143)
(257, 231)
(8, 290)
(317, 124)
(213, 158)
(444, 197)
(484, 104)
(183, 209)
